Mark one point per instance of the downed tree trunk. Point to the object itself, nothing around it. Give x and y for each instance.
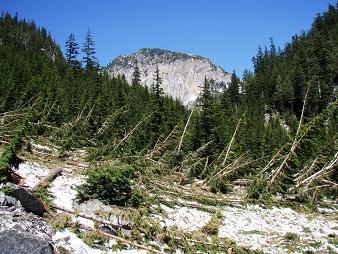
(185, 128)
(117, 238)
(105, 222)
(27, 199)
(131, 132)
(231, 141)
(47, 179)
(130, 243)
(331, 165)
(275, 174)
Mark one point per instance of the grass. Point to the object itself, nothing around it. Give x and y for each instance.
(60, 222)
(291, 237)
(212, 227)
(91, 237)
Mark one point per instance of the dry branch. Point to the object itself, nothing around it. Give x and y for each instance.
(234, 168)
(109, 118)
(272, 161)
(185, 128)
(228, 166)
(278, 171)
(47, 179)
(105, 222)
(159, 145)
(304, 171)
(231, 141)
(89, 114)
(137, 125)
(331, 165)
(122, 240)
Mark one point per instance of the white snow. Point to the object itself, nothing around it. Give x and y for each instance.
(258, 228)
(264, 229)
(72, 243)
(63, 188)
(250, 226)
(187, 219)
(32, 173)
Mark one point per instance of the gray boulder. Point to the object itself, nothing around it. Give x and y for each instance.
(29, 201)
(8, 201)
(14, 242)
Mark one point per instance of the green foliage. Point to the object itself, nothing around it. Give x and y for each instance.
(212, 227)
(290, 236)
(113, 185)
(91, 237)
(44, 194)
(60, 221)
(137, 198)
(258, 191)
(85, 107)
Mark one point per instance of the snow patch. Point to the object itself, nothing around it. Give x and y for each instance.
(63, 188)
(72, 243)
(187, 219)
(31, 172)
(265, 229)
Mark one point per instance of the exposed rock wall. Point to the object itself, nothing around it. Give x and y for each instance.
(182, 74)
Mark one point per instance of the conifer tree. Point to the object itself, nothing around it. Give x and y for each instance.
(136, 80)
(158, 102)
(88, 49)
(206, 114)
(72, 48)
(233, 91)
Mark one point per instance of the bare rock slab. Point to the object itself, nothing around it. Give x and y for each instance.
(14, 242)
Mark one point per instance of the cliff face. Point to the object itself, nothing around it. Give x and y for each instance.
(182, 74)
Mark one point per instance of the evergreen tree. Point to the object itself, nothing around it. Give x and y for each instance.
(72, 51)
(206, 112)
(88, 49)
(158, 103)
(136, 80)
(233, 91)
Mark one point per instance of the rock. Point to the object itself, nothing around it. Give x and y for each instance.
(8, 201)
(182, 74)
(14, 242)
(28, 200)
(28, 223)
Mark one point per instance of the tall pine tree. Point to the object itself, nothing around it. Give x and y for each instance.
(72, 51)
(158, 103)
(136, 79)
(233, 91)
(88, 49)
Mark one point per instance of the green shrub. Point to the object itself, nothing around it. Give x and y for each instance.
(112, 184)
(220, 185)
(258, 190)
(137, 198)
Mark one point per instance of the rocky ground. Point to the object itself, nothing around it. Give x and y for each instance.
(187, 209)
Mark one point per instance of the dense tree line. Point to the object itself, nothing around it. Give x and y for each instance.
(80, 96)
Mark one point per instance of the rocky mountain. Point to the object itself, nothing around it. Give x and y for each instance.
(182, 74)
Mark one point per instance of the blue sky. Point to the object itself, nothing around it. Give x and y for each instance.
(227, 32)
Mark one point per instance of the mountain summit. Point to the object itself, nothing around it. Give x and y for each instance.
(182, 74)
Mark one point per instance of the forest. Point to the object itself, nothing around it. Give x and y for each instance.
(273, 130)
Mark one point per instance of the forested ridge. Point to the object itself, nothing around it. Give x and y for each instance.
(274, 130)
